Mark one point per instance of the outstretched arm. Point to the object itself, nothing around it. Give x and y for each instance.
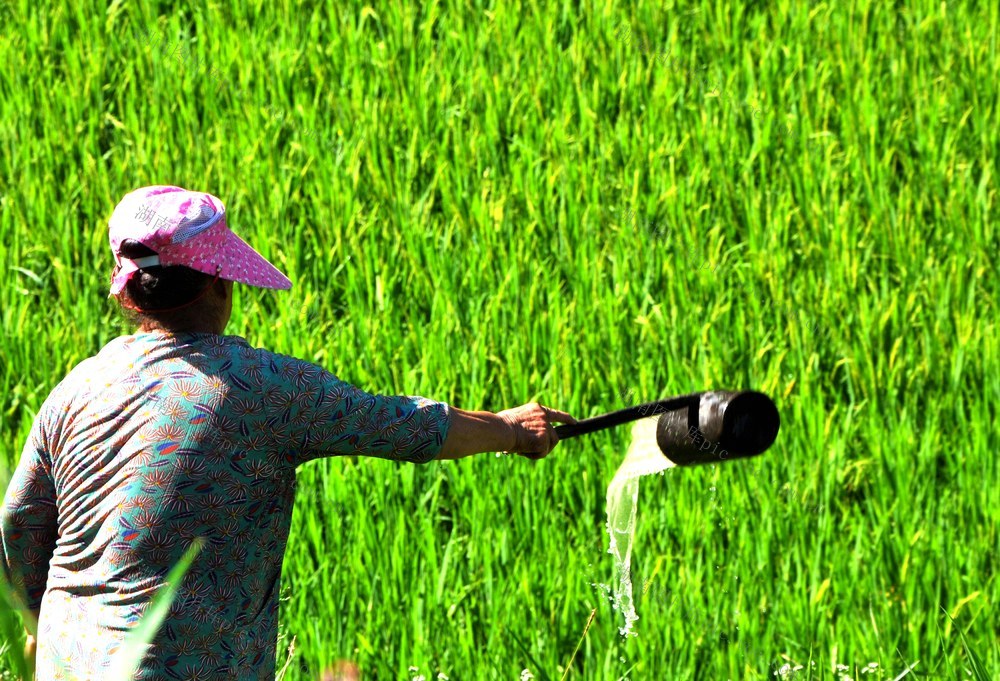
(525, 430)
(312, 413)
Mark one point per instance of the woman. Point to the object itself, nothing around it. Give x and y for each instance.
(179, 432)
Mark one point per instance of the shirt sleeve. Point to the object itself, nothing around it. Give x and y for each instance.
(28, 520)
(329, 417)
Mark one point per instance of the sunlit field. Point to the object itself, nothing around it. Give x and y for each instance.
(588, 206)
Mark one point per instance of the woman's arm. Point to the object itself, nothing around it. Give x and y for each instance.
(330, 417)
(525, 430)
(29, 524)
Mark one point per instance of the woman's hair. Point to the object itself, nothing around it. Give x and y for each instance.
(162, 288)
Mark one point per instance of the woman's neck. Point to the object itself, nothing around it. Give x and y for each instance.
(147, 327)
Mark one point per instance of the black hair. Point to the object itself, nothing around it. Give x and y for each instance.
(156, 290)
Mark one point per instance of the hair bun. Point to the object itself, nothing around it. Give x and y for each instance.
(160, 287)
(148, 281)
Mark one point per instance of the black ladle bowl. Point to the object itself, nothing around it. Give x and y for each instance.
(716, 425)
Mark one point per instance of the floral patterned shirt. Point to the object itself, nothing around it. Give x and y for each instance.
(157, 440)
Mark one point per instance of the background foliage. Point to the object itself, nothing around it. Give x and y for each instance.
(588, 206)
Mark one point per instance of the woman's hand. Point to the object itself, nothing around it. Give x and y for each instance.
(525, 430)
(29, 654)
(534, 435)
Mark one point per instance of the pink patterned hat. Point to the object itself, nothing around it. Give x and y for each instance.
(185, 228)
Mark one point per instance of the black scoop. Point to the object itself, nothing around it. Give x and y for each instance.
(710, 426)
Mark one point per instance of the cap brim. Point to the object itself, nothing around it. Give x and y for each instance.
(240, 262)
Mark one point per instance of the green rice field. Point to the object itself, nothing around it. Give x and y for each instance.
(590, 205)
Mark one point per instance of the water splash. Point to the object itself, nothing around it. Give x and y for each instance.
(642, 458)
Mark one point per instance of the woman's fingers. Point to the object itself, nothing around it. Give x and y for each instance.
(545, 434)
(556, 416)
(535, 434)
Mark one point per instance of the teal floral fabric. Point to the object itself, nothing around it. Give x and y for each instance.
(157, 440)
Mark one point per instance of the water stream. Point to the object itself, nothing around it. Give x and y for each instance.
(642, 458)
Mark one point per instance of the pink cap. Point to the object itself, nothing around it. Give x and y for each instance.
(185, 228)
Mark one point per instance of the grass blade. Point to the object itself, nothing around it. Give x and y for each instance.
(128, 658)
(10, 629)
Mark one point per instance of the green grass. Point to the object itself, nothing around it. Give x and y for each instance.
(449, 188)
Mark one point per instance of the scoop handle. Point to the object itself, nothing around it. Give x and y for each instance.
(634, 413)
